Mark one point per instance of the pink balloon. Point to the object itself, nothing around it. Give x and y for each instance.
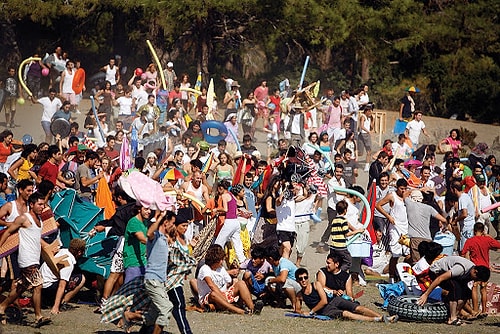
(138, 72)
(45, 71)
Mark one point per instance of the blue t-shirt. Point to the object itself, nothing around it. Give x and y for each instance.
(157, 252)
(285, 264)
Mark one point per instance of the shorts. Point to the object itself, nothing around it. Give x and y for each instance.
(345, 257)
(336, 307)
(284, 236)
(49, 293)
(414, 254)
(228, 294)
(457, 289)
(395, 247)
(31, 277)
(10, 104)
(71, 97)
(46, 128)
(117, 260)
(364, 141)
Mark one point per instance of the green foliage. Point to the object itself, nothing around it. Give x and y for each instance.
(449, 49)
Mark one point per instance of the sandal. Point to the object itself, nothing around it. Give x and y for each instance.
(456, 322)
(482, 315)
(3, 318)
(42, 322)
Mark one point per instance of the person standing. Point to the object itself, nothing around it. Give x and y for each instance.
(29, 227)
(14, 91)
(155, 274)
(84, 178)
(50, 104)
(66, 84)
(134, 247)
(413, 129)
(112, 72)
(465, 219)
(398, 222)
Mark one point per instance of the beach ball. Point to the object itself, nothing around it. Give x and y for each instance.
(45, 71)
(271, 106)
(20, 100)
(138, 72)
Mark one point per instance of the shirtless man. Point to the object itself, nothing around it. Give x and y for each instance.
(196, 188)
(398, 222)
(29, 227)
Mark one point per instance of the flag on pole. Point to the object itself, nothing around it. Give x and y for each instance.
(372, 199)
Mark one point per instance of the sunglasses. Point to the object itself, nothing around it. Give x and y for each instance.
(302, 278)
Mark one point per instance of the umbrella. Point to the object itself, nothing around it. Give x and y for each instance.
(413, 162)
(174, 174)
(413, 89)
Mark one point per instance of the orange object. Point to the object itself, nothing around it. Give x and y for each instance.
(78, 81)
(104, 199)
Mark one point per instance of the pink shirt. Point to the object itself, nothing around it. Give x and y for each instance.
(261, 93)
(335, 115)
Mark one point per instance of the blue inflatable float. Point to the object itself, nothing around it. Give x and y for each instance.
(208, 126)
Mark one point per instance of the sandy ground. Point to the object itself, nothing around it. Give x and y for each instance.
(82, 320)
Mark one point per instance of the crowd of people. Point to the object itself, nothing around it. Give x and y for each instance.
(249, 210)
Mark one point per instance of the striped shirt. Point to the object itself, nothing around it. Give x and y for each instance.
(338, 234)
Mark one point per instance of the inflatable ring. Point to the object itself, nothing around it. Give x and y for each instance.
(406, 308)
(188, 196)
(207, 125)
(366, 208)
(20, 73)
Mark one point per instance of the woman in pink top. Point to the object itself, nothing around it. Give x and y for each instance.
(231, 229)
(453, 141)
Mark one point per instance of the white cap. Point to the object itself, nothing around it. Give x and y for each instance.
(170, 64)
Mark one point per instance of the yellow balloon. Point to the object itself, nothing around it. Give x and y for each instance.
(20, 100)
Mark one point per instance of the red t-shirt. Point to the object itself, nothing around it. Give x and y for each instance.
(49, 171)
(479, 248)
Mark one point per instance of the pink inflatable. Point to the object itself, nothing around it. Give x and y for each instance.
(45, 71)
(490, 207)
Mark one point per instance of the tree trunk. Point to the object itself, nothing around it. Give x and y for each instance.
(9, 50)
(365, 69)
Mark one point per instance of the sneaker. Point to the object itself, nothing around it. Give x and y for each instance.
(362, 282)
(367, 167)
(66, 307)
(259, 305)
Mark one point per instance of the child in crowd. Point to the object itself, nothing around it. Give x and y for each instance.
(338, 236)
(256, 271)
(477, 250)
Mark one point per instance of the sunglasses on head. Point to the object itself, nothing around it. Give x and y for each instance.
(302, 278)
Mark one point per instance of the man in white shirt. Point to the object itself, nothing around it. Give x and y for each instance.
(61, 290)
(414, 127)
(50, 104)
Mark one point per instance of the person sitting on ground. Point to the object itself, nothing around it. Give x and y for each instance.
(380, 257)
(284, 279)
(61, 290)
(216, 287)
(313, 295)
(256, 271)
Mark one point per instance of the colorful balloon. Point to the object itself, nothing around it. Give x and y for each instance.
(138, 72)
(45, 71)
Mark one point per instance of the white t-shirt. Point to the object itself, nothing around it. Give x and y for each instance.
(414, 128)
(285, 214)
(274, 128)
(141, 98)
(125, 105)
(333, 197)
(220, 277)
(137, 124)
(65, 273)
(49, 107)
